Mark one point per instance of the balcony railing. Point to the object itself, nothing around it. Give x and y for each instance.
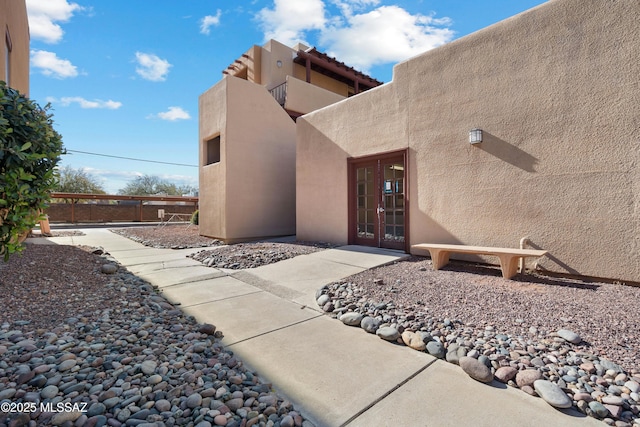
(280, 93)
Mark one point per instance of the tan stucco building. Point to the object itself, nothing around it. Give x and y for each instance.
(556, 93)
(14, 50)
(247, 136)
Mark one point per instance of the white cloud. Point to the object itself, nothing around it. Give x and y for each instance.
(208, 21)
(85, 103)
(288, 21)
(151, 67)
(359, 33)
(43, 15)
(383, 35)
(52, 66)
(174, 113)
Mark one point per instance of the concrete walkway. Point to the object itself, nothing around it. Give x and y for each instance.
(334, 374)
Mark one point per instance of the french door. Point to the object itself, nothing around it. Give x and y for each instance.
(377, 205)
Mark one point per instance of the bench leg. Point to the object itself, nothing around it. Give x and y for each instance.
(439, 258)
(509, 265)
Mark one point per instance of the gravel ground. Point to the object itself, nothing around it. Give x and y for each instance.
(99, 345)
(174, 236)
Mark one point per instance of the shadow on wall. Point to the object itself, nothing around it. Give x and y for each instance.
(553, 259)
(508, 152)
(428, 230)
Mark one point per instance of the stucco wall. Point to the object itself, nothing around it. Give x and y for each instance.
(251, 192)
(13, 16)
(303, 97)
(212, 109)
(556, 92)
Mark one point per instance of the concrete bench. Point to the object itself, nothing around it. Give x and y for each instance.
(509, 257)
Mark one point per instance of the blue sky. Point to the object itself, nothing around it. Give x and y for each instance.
(123, 77)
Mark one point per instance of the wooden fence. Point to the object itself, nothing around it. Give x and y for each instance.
(114, 208)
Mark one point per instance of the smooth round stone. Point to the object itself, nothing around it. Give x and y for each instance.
(96, 409)
(109, 268)
(612, 400)
(413, 340)
(388, 333)
(527, 377)
(49, 392)
(436, 349)
(163, 405)
(323, 300)
(570, 336)
(582, 396)
(194, 400)
(452, 355)
(7, 393)
(66, 365)
(552, 394)
(506, 374)
(235, 404)
(633, 386)
(476, 369)
(220, 420)
(370, 324)
(148, 367)
(599, 409)
(154, 379)
(351, 318)
(287, 421)
(62, 417)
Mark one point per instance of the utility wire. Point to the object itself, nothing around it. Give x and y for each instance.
(130, 158)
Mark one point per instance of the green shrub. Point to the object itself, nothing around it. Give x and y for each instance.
(30, 149)
(194, 217)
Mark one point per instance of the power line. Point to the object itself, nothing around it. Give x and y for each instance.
(131, 158)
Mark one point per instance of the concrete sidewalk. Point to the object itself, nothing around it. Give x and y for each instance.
(334, 374)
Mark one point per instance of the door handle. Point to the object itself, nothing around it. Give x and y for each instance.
(380, 210)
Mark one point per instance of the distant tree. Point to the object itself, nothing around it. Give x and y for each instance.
(151, 185)
(72, 180)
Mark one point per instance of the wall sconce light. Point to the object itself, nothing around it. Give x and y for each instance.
(475, 136)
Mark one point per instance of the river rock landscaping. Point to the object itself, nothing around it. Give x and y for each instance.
(79, 333)
(572, 343)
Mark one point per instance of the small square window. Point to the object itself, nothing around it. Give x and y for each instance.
(213, 150)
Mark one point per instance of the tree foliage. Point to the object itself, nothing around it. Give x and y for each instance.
(30, 149)
(72, 180)
(151, 185)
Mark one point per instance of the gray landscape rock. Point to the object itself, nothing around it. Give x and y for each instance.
(570, 336)
(109, 268)
(552, 394)
(351, 318)
(370, 324)
(323, 299)
(476, 369)
(599, 409)
(388, 333)
(436, 349)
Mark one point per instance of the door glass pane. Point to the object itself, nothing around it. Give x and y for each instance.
(365, 193)
(370, 202)
(388, 172)
(388, 217)
(388, 202)
(399, 186)
(399, 218)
